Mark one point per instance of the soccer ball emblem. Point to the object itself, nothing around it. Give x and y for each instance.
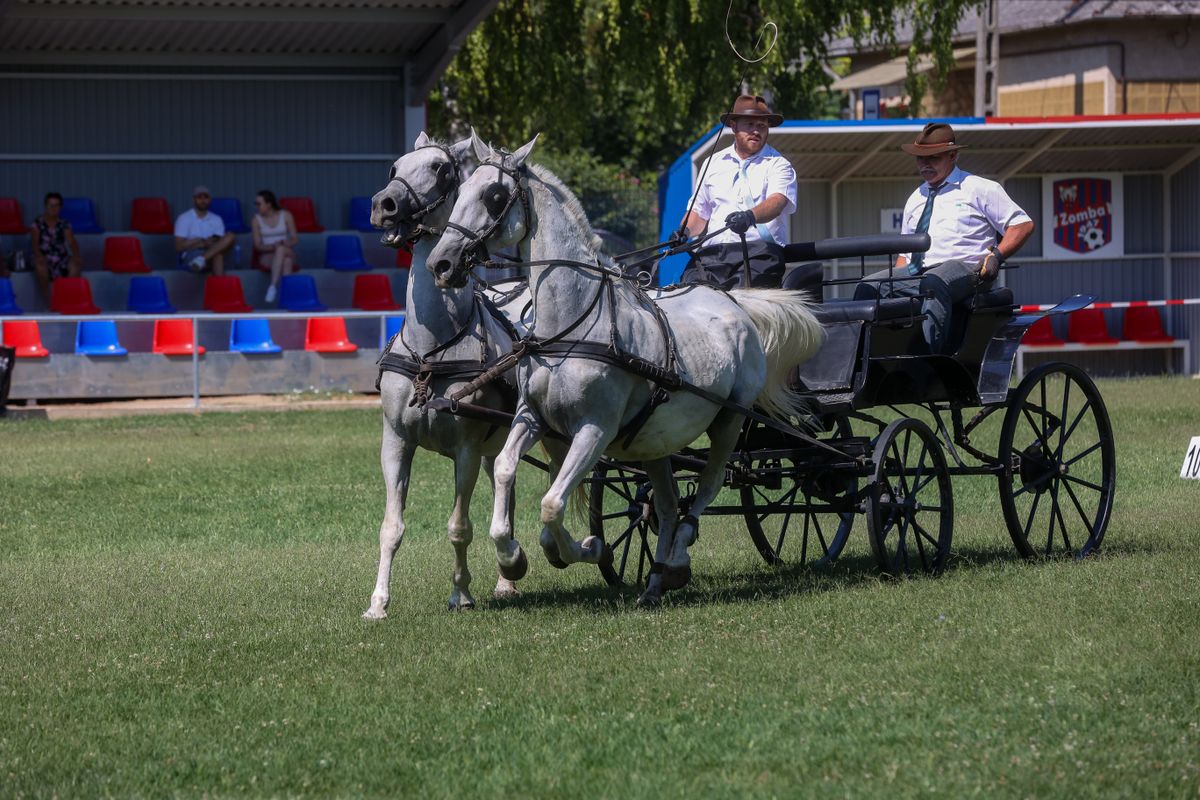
(1092, 236)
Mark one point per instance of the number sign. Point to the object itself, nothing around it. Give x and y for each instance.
(1191, 462)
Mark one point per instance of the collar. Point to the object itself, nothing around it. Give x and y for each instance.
(729, 154)
(955, 178)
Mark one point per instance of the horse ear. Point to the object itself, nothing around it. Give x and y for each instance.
(461, 150)
(421, 141)
(525, 150)
(482, 151)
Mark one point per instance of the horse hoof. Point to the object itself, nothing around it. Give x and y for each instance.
(676, 577)
(553, 557)
(649, 601)
(516, 570)
(374, 614)
(460, 605)
(506, 593)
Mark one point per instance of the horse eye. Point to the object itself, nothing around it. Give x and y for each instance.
(495, 198)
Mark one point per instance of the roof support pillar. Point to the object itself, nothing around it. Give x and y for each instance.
(987, 59)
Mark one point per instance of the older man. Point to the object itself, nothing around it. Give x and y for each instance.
(963, 215)
(752, 188)
(200, 237)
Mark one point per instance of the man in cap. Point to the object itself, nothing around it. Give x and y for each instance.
(752, 188)
(200, 237)
(963, 215)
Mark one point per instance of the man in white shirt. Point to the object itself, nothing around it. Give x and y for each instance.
(750, 186)
(200, 237)
(963, 215)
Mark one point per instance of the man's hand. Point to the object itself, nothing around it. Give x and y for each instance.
(990, 265)
(740, 221)
(679, 237)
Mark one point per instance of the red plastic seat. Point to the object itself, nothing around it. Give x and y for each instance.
(24, 337)
(1144, 324)
(1041, 334)
(373, 293)
(10, 216)
(72, 296)
(151, 215)
(303, 213)
(124, 254)
(223, 294)
(173, 337)
(1087, 326)
(327, 335)
(403, 257)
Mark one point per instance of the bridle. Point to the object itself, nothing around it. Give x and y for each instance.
(492, 202)
(420, 229)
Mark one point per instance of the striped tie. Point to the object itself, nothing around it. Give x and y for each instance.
(918, 259)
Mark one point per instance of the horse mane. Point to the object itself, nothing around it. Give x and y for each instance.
(573, 208)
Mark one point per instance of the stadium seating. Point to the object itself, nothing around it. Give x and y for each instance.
(1087, 326)
(229, 209)
(303, 214)
(8, 300)
(343, 252)
(1144, 324)
(148, 295)
(394, 324)
(72, 296)
(328, 335)
(360, 214)
(173, 337)
(299, 293)
(373, 293)
(98, 337)
(80, 212)
(223, 294)
(124, 254)
(1041, 334)
(251, 336)
(151, 215)
(10, 217)
(24, 337)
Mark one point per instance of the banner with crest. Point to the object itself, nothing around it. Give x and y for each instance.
(1083, 215)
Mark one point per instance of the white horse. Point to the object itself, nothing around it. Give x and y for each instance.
(737, 346)
(450, 328)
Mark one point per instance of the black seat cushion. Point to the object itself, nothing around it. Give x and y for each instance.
(993, 298)
(890, 308)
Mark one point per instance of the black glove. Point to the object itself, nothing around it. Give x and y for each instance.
(740, 221)
(679, 237)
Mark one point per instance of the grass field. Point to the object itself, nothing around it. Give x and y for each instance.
(179, 616)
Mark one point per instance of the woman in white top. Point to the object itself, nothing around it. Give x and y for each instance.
(274, 239)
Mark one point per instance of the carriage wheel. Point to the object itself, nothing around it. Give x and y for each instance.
(780, 515)
(621, 512)
(1060, 463)
(910, 519)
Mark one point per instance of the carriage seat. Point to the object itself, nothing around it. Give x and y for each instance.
(891, 308)
(993, 299)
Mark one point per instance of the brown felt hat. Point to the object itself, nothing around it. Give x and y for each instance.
(934, 139)
(752, 105)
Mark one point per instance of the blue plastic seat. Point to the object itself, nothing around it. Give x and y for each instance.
(80, 212)
(299, 293)
(229, 209)
(343, 252)
(148, 295)
(360, 214)
(251, 336)
(98, 337)
(394, 324)
(8, 300)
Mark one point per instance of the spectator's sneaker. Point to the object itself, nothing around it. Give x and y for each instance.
(270, 298)
(197, 264)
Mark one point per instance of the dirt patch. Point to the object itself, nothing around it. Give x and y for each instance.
(185, 405)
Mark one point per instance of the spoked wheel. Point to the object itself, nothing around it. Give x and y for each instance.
(910, 518)
(621, 512)
(798, 517)
(1060, 463)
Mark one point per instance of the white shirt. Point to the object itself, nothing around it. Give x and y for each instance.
(719, 195)
(968, 214)
(189, 225)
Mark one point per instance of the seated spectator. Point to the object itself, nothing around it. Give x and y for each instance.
(200, 237)
(55, 251)
(274, 239)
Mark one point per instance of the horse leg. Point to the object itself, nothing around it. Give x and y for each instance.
(396, 457)
(504, 587)
(557, 452)
(586, 448)
(523, 434)
(722, 435)
(666, 503)
(466, 473)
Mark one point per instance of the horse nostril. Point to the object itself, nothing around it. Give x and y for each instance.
(388, 205)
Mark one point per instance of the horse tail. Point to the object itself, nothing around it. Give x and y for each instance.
(790, 335)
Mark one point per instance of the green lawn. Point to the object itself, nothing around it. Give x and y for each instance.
(179, 615)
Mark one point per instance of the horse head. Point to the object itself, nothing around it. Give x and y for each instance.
(420, 191)
(492, 208)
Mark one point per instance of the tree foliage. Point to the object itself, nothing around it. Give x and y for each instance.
(632, 81)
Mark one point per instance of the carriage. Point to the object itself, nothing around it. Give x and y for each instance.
(801, 491)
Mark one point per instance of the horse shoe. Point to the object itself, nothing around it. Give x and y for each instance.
(515, 571)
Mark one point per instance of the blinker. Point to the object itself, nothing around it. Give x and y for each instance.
(495, 199)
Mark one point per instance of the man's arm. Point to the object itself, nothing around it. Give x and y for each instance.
(1014, 237)
(770, 208)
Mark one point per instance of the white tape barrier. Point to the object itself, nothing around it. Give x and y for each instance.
(1191, 301)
